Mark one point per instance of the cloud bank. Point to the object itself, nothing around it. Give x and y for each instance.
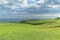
(29, 8)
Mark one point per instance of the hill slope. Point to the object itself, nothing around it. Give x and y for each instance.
(43, 23)
(28, 30)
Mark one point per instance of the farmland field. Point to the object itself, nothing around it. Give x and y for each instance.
(31, 30)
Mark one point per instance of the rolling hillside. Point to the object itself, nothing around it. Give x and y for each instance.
(31, 30)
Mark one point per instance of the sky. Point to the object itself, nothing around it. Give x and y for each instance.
(29, 8)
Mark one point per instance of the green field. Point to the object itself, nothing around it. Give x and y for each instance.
(31, 30)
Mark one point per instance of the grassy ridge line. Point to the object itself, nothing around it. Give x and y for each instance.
(43, 23)
(50, 23)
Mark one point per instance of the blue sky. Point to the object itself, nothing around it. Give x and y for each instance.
(29, 8)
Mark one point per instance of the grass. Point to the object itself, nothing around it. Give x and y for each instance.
(48, 30)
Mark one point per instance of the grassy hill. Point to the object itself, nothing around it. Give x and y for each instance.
(43, 23)
(31, 30)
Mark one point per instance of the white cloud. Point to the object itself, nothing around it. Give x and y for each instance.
(19, 4)
(51, 6)
(39, 15)
(42, 1)
(3, 1)
(23, 3)
(54, 6)
(14, 7)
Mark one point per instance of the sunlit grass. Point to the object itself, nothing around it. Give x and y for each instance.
(49, 30)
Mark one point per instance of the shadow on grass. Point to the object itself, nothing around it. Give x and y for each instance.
(32, 23)
(58, 26)
(41, 23)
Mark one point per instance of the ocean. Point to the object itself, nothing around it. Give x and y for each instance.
(18, 19)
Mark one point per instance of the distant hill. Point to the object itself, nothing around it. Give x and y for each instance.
(43, 23)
